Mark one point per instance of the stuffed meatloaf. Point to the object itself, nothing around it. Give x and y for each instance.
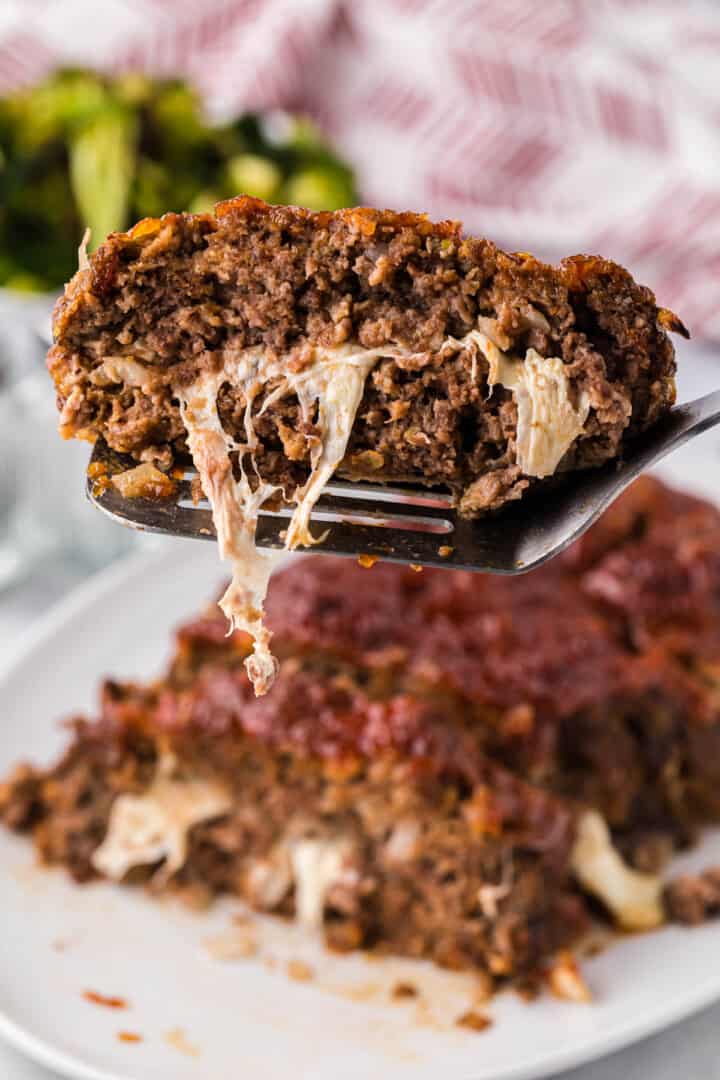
(278, 346)
(449, 764)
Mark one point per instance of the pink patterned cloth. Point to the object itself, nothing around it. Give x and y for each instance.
(554, 126)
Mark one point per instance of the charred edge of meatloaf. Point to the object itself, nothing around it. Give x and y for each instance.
(421, 846)
(176, 291)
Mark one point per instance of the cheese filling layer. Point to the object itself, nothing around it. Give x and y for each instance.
(548, 422)
(634, 899)
(329, 385)
(318, 865)
(145, 829)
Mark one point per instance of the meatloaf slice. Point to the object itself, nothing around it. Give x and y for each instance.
(278, 346)
(402, 843)
(450, 783)
(596, 676)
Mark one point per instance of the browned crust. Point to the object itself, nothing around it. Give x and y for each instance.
(100, 276)
(577, 273)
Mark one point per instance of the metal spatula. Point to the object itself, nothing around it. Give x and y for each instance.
(419, 525)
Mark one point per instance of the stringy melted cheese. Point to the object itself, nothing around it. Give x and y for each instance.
(335, 380)
(317, 865)
(634, 899)
(331, 381)
(153, 827)
(235, 509)
(547, 420)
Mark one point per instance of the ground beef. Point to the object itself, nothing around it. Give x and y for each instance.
(569, 685)
(694, 898)
(174, 294)
(423, 841)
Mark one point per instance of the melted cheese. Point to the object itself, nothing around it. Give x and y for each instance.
(329, 385)
(633, 898)
(547, 420)
(145, 829)
(332, 378)
(337, 385)
(317, 865)
(235, 508)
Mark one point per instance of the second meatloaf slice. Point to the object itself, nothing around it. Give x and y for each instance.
(279, 346)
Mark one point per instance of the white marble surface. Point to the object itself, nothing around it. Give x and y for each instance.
(691, 1048)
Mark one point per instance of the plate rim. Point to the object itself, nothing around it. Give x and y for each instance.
(79, 597)
(592, 1048)
(83, 596)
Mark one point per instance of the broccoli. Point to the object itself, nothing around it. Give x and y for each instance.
(85, 150)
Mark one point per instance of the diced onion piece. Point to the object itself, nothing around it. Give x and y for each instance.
(144, 481)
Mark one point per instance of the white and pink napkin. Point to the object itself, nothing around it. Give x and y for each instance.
(556, 126)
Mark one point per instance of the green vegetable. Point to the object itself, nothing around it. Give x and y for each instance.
(254, 175)
(204, 202)
(134, 88)
(318, 189)
(177, 117)
(82, 149)
(305, 135)
(102, 159)
(23, 282)
(54, 109)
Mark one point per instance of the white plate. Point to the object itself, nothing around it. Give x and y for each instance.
(247, 1018)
